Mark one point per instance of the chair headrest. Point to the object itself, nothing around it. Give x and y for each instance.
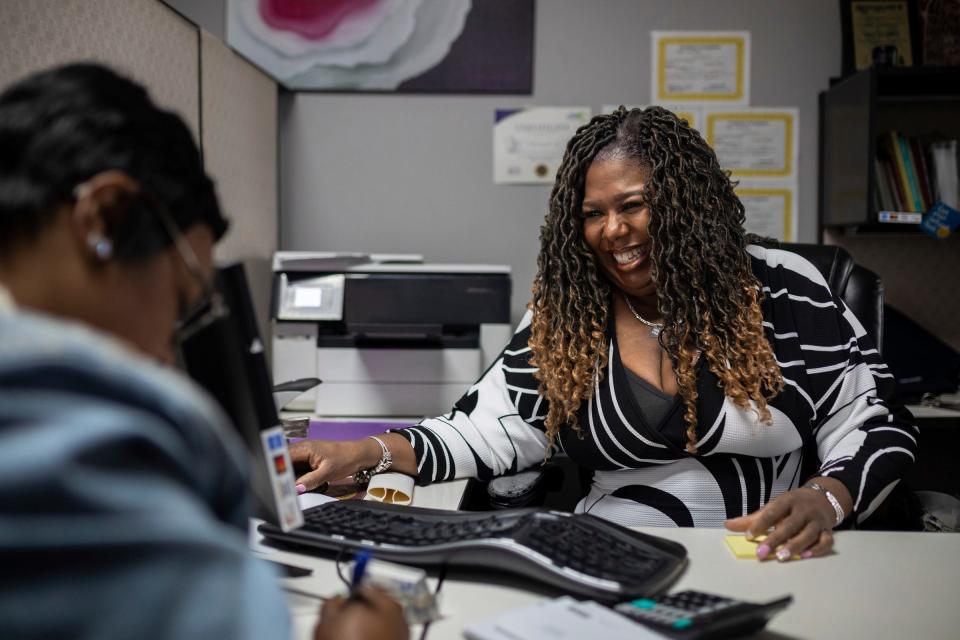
(834, 262)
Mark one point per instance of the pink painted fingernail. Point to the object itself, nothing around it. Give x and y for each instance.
(783, 554)
(806, 554)
(763, 550)
(301, 488)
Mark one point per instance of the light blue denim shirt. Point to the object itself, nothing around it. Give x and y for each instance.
(123, 497)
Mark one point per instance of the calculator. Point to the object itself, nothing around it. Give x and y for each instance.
(690, 615)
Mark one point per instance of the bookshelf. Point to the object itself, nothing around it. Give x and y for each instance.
(857, 113)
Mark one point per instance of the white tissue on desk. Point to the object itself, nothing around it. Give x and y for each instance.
(308, 500)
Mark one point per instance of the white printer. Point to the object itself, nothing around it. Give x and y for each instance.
(387, 334)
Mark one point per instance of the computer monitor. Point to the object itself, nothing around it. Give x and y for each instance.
(919, 361)
(226, 357)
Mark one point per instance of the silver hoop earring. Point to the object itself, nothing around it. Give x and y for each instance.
(101, 247)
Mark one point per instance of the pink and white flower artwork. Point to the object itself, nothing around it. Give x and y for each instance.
(365, 45)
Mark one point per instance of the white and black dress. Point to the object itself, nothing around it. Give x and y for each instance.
(833, 418)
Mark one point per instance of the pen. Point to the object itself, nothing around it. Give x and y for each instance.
(359, 568)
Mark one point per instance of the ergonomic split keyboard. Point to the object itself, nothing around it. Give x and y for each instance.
(580, 554)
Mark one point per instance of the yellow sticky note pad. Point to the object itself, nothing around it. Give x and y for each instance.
(742, 548)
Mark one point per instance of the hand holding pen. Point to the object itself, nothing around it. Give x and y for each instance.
(360, 561)
(367, 613)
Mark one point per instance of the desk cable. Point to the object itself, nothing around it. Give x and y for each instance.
(440, 577)
(441, 574)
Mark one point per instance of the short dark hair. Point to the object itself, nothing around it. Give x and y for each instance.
(62, 126)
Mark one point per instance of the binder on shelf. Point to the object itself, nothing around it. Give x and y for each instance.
(900, 170)
(894, 177)
(944, 159)
(906, 165)
(885, 197)
(890, 168)
(889, 175)
(923, 177)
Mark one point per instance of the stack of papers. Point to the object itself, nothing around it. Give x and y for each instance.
(561, 619)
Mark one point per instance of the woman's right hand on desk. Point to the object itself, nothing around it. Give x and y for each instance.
(319, 461)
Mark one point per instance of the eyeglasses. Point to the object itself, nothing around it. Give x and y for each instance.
(210, 305)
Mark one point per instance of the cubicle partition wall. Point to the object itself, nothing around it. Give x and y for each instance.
(228, 103)
(238, 109)
(143, 38)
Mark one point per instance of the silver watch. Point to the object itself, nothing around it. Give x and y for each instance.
(363, 476)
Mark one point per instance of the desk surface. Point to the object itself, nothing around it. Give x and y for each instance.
(925, 412)
(876, 584)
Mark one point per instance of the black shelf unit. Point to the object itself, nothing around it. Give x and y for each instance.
(921, 102)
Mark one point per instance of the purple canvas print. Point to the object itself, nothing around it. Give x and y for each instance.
(464, 46)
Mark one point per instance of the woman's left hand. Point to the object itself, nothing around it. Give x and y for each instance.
(797, 523)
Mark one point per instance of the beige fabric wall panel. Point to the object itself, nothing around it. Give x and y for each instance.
(144, 39)
(919, 277)
(239, 107)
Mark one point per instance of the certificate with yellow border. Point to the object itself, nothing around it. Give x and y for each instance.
(770, 210)
(755, 143)
(702, 67)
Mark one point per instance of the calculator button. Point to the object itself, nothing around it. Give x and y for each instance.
(644, 603)
(682, 623)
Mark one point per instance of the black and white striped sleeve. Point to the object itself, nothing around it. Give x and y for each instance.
(496, 427)
(862, 438)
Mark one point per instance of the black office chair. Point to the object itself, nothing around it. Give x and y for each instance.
(560, 484)
(860, 288)
(862, 291)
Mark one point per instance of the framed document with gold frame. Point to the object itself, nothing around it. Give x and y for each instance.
(700, 67)
(892, 27)
(755, 142)
(770, 210)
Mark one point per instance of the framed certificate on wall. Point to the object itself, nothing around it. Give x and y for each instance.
(883, 32)
(700, 67)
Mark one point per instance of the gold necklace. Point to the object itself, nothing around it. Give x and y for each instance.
(655, 328)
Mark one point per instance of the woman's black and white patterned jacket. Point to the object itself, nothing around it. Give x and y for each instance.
(833, 418)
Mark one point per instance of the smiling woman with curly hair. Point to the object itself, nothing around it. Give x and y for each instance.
(704, 379)
(705, 293)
